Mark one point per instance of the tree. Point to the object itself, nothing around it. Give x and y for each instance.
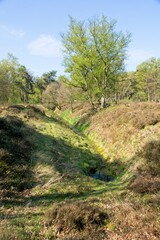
(126, 86)
(25, 83)
(94, 55)
(50, 95)
(49, 77)
(67, 94)
(43, 81)
(148, 80)
(18, 85)
(8, 73)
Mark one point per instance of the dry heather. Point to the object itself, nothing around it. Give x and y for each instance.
(133, 221)
(67, 204)
(78, 220)
(27, 111)
(138, 115)
(128, 137)
(147, 179)
(123, 130)
(130, 133)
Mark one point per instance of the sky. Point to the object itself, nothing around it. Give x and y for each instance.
(31, 29)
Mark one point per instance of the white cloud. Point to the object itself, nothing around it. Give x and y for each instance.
(136, 57)
(12, 31)
(46, 46)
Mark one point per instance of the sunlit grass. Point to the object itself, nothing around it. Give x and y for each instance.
(62, 161)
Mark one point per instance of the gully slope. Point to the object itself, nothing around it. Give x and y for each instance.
(46, 177)
(128, 138)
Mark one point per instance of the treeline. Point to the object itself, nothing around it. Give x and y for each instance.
(18, 85)
(94, 56)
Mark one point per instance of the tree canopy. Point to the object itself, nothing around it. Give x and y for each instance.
(94, 54)
(148, 80)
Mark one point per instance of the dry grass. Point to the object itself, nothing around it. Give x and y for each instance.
(145, 184)
(123, 130)
(132, 221)
(130, 134)
(77, 220)
(147, 179)
(125, 209)
(137, 115)
(151, 153)
(15, 150)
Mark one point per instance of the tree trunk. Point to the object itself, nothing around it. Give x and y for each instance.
(103, 102)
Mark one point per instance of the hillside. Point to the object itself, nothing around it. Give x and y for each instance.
(128, 137)
(101, 181)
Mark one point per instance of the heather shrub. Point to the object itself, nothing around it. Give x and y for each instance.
(80, 218)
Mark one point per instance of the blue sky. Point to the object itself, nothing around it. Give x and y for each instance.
(30, 29)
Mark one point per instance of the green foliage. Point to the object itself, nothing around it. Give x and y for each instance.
(50, 95)
(49, 77)
(67, 116)
(16, 82)
(63, 162)
(24, 81)
(42, 82)
(94, 55)
(8, 73)
(147, 80)
(18, 85)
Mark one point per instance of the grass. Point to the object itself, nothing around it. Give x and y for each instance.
(128, 137)
(15, 152)
(61, 198)
(58, 161)
(72, 218)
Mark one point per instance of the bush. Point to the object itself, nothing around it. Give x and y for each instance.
(79, 219)
(145, 184)
(151, 154)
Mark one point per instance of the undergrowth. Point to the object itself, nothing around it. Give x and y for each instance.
(15, 151)
(76, 219)
(56, 183)
(129, 134)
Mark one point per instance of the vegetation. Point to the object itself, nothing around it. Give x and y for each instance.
(79, 155)
(127, 136)
(16, 82)
(16, 147)
(57, 184)
(94, 56)
(88, 220)
(42, 162)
